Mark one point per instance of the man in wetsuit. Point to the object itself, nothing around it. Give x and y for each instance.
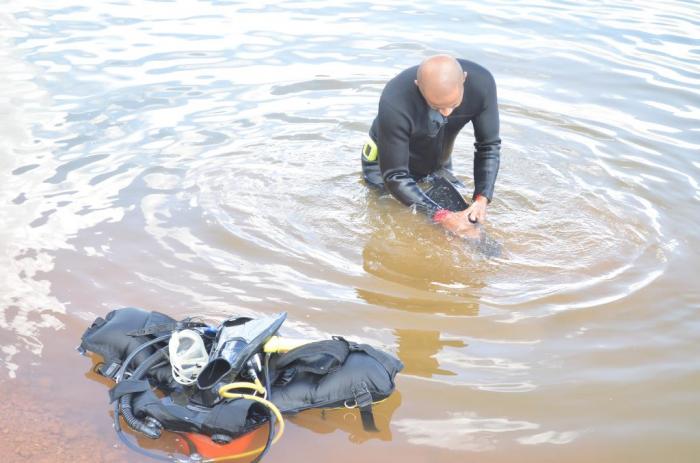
(421, 111)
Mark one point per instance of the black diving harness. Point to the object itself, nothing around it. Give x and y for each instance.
(151, 428)
(320, 374)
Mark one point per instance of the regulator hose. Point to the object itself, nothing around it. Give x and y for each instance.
(150, 428)
(125, 366)
(226, 392)
(271, 434)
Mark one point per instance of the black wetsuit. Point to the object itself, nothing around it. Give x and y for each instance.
(411, 146)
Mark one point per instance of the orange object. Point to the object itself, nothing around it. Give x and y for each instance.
(207, 448)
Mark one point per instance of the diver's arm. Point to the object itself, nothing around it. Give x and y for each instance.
(393, 134)
(487, 146)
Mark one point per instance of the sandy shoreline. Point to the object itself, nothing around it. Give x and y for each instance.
(36, 429)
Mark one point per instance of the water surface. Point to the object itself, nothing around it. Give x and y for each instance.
(203, 158)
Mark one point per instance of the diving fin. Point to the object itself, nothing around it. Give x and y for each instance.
(236, 342)
(485, 245)
(445, 194)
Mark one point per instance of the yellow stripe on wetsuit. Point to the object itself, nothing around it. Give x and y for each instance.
(370, 151)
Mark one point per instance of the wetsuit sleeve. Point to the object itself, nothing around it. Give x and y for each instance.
(487, 147)
(393, 133)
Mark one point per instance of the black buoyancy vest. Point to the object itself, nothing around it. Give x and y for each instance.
(120, 333)
(333, 373)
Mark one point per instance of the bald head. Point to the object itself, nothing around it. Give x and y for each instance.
(440, 79)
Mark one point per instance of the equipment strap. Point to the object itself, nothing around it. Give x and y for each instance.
(128, 386)
(109, 371)
(334, 349)
(363, 400)
(390, 364)
(165, 327)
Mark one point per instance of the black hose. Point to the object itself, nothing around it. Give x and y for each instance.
(151, 429)
(271, 434)
(130, 444)
(154, 358)
(134, 423)
(125, 365)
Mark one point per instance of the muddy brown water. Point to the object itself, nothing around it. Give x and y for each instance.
(202, 158)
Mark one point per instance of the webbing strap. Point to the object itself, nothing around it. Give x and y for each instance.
(164, 327)
(363, 400)
(110, 371)
(390, 364)
(130, 386)
(339, 351)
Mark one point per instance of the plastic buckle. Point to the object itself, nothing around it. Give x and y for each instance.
(111, 370)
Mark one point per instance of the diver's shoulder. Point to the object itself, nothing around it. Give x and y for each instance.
(471, 66)
(403, 82)
(400, 95)
(476, 72)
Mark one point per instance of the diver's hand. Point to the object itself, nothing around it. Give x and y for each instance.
(457, 223)
(477, 211)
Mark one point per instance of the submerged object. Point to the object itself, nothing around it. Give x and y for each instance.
(447, 196)
(256, 385)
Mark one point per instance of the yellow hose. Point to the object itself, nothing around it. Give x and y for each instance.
(224, 392)
(278, 344)
(260, 388)
(256, 386)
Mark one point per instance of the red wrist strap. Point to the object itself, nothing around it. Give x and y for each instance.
(476, 198)
(440, 215)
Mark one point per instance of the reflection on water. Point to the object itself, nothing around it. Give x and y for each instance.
(202, 157)
(417, 350)
(418, 269)
(348, 421)
(461, 432)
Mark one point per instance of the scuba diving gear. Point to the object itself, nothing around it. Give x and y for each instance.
(188, 356)
(223, 422)
(278, 344)
(238, 339)
(150, 427)
(136, 399)
(110, 338)
(225, 392)
(296, 376)
(206, 448)
(444, 193)
(332, 373)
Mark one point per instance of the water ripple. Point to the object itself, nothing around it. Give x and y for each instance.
(204, 156)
